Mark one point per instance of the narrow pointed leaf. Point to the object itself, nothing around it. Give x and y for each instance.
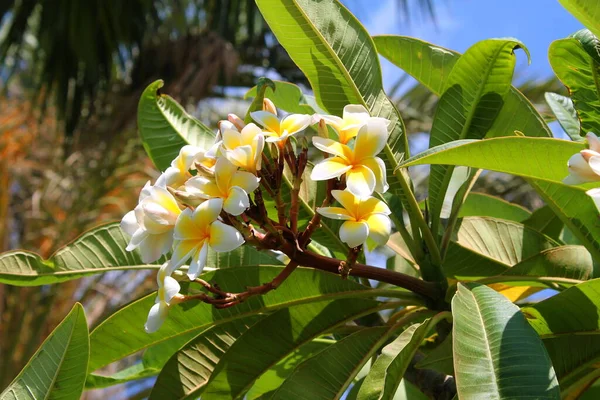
(328, 374)
(579, 72)
(389, 368)
(165, 127)
(431, 65)
(474, 94)
(565, 114)
(123, 334)
(497, 355)
(57, 370)
(273, 338)
(539, 158)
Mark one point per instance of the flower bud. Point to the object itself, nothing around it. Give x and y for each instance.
(269, 106)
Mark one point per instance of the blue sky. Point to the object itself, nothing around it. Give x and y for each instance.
(461, 23)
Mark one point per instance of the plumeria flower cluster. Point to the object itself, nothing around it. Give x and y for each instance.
(210, 199)
(584, 167)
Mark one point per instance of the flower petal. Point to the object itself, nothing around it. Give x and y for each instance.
(593, 141)
(372, 205)
(354, 233)
(332, 147)
(332, 120)
(155, 246)
(224, 237)
(380, 228)
(295, 123)
(185, 228)
(162, 196)
(137, 238)
(347, 200)
(241, 157)
(371, 139)
(334, 213)
(202, 186)
(231, 139)
(355, 114)
(595, 195)
(237, 201)
(129, 223)
(360, 181)
(594, 163)
(171, 288)
(259, 145)
(186, 156)
(580, 170)
(156, 317)
(377, 165)
(249, 134)
(246, 180)
(184, 249)
(224, 171)
(267, 120)
(207, 212)
(329, 168)
(198, 262)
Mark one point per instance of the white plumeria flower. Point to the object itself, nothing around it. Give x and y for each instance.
(585, 166)
(354, 117)
(151, 223)
(229, 184)
(188, 157)
(278, 131)
(363, 219)
(197, 231)
(168, 293)
(364, 171)
(243, 149)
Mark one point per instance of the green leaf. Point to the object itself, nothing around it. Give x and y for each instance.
(189, 369)
(431, 65)
(473, 96)
(565, 113)
(484, 205)
(165, 127)
(257, 104)
(497, 355)
(286, 96)
(440, 358)
(58, 368)
(539, 158)
(579, 72)
(327, 375)
(389, 368)
(275, 376)
(153, 360)
(575, 209)
(545, 221)
(487, 246)
(569, 324)
(585, 11)
(122, 333)
(275, 337)
(341, 64)
(99, 250)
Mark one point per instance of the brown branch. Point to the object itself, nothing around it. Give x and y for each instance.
(315, 221)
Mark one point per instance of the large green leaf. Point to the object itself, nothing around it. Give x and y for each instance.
(545, 220)
(538, 158)
(276, 375)
(440, 358)
(569, 324)
(122, 333)
(328, 374)
(585, 11)
(565, 113)
(484, 205)
(579, 72)
(100, 250)
(487, 246)
(276, 336)
(165, 127)
(153, 360)
(389, 368)
(431, 65)
(473, 96)
(189, 369)
(57, 369)
(341, 64)
(287, 96)
(497, 355)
